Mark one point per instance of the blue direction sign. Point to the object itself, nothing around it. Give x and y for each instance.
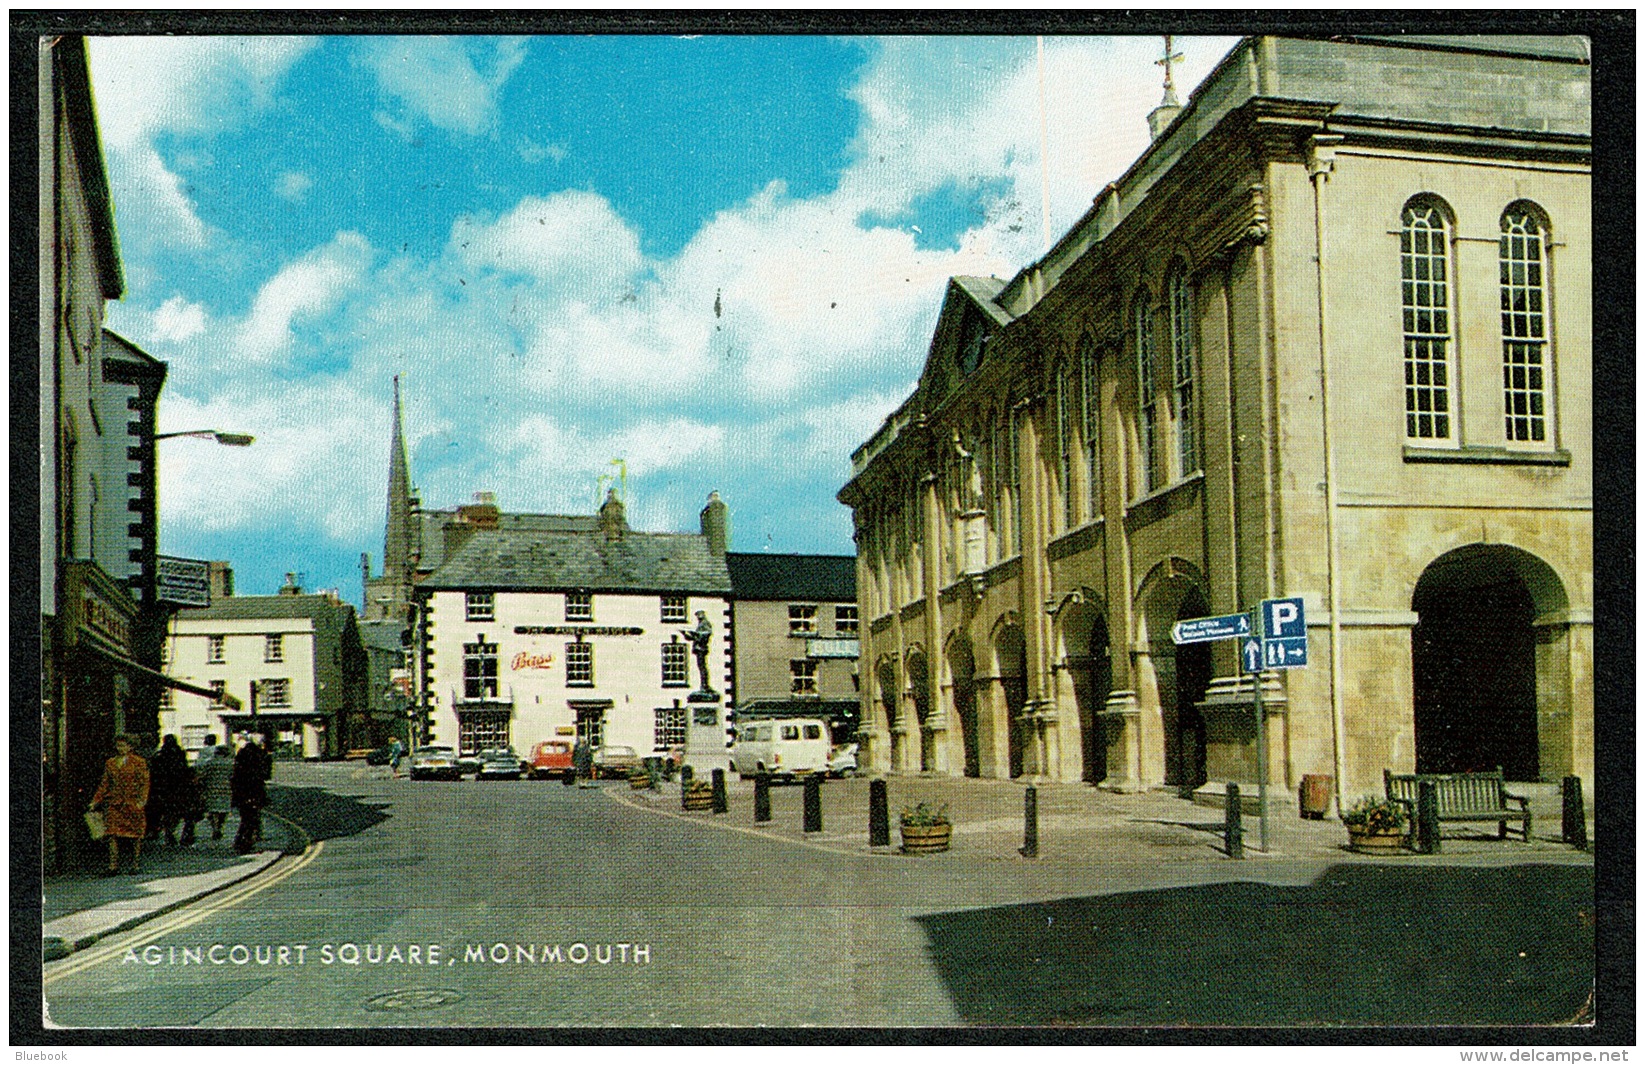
(1204, 630)
(1284, 634)
(1250, 656)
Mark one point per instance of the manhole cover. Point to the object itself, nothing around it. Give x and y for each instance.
(414, 998)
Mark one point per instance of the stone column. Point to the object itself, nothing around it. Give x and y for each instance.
(1121, 718)
(993, 725)
(1150, 718)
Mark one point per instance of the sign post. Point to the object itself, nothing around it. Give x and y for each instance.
(1251, 657)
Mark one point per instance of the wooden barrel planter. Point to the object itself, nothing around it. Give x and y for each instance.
(639, 780)
(698, 798)
(925, 839)
(1363, 841)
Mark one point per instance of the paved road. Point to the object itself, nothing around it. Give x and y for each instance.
(520, 892)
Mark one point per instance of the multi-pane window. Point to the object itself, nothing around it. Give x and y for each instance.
(1013, 469)
(673, 608)
(274, 693)
(218, 689)
(579, 606)
(1088, 420)
(274, 648)
(482, 731)
(480, 670)
(579, 663)
(168, 700)
(670, 728)
(802, 619)
(214, 648)
(803, 673)
(1524, 326)
(845, 619)
(1184, 371)
(1142, 328)
(1425, 296)
(674, 667)
(479, 606)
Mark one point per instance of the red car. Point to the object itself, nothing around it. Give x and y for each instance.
(552, 758)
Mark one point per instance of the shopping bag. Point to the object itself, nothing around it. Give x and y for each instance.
(94, 823)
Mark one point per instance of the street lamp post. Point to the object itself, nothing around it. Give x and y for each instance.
(226, 439)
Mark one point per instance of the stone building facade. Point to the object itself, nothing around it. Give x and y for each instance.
(794, 636)
(1328, 337)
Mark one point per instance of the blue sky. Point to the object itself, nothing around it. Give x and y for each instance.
(716, 258)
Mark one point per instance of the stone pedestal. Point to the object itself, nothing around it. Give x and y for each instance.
(1121, 723)
(1231, 741)
(705, 734)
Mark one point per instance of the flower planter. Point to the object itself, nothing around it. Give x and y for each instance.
(925, 839)
(639, 780)
(698, 800)
(1362, 840)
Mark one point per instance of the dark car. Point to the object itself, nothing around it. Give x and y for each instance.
(380, 756)
(499, 763)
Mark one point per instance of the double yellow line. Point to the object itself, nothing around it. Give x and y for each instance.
(190, 914)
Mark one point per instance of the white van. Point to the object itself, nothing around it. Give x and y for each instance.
(786, 747)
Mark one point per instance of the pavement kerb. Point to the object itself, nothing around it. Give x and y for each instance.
(55, 948)
(616, 796)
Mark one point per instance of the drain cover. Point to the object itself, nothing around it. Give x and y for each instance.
(414, 998)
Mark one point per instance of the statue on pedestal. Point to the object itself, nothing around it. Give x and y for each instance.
(699, 637)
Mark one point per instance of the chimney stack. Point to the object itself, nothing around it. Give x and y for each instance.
(613, 519)
(716, 524)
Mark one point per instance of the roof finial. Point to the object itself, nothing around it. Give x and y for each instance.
(1166, 61)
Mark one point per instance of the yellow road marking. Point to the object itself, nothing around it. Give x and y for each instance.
(189, 914)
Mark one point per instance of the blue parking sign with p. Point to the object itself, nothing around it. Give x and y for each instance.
(1282, 619)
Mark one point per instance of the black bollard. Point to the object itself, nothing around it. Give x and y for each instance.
(685, 784)
(1574, 818)
(721, 802)
(762, 799)
(879, 815)
(1031, 823)
(1427, 817)
(813, 803)
(1233, 832)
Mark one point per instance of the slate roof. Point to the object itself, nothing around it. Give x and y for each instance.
(982, 291)
(433, 522)
(381, 635)
(255, 607)
(818, 578)
(528, 559)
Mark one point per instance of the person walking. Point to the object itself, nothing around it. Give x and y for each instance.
(123, 793)
(248, 788)
(214, 768)
(168, 790)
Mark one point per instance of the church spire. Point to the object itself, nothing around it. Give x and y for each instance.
(397, 535)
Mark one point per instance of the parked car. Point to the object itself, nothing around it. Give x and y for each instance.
(380, 755)
(552, 758)
(615, 760)
(435, 762)
(499, 763)
(782, 747)
(842, 760)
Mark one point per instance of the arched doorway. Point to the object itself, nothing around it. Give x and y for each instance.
(919, 683)
(1175, 590)
(886, 675)
(962, 668)
(1085, 635)
(1473, 660)
(1008, 651)
(1193, 677)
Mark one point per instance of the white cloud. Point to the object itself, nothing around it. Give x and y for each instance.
(293, 186)
(573, 240)
(436, 78)
(311, 286)
(177, 320)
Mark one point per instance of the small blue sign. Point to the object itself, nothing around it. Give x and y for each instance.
(1204, 630)
(1288, 653)
(1250, 656)
(1282, 619)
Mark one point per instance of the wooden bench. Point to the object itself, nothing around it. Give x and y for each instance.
(1463, 797)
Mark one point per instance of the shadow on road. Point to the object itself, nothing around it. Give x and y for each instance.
(1362, 944)
(324, 814)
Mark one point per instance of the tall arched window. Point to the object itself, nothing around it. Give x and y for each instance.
(1088, 422)
(1184, 368)
(1065, 449)
(1521, 253)
(1425, 296)
(1142, 328)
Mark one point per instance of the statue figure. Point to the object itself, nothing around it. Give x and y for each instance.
(699, 638)
(970, 475)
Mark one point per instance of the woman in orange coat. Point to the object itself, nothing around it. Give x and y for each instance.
(123, 793)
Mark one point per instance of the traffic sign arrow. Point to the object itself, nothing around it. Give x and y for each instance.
(1251, 652)
(1203, 630)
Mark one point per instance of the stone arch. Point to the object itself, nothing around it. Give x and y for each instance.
(961, 664)
(1011, 667)
(917, 669)
(1083, 645)
(887, 697)
(1176, 589)
(1487, 687)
